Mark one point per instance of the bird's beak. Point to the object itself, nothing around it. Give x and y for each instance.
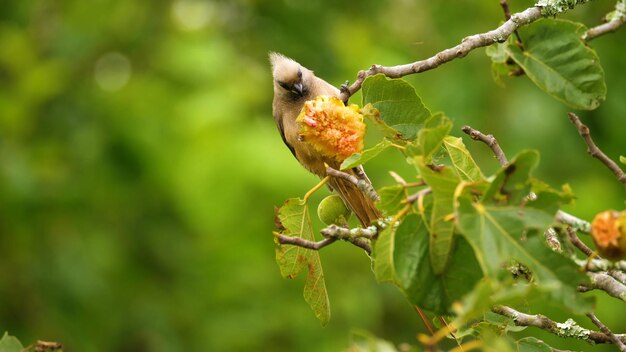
(297, 87)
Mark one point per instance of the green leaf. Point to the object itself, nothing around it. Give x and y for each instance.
(430, 138)
(622, 159)
(295, 221)
(463, 163)
(558, 61)
(384, 270)
(502, 235)
(415, 274)
(370, 112)
(357, 159)
(511, 184)
(363, 341)
(497, 53)
(442, 182)
(10, 343)
(293, 216)
(391, 198)
(487, 293)
(532, 344)
(399, 106)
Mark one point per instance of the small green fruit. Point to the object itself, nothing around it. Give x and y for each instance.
(332, 210)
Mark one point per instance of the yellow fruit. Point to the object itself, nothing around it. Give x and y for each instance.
(332, 210)
(333, 129)
(608, 231)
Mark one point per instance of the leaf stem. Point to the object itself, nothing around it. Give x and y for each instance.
(315, 188)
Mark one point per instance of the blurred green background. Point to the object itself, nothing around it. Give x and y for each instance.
(139, 163)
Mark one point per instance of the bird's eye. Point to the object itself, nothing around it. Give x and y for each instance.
(284, 85)
(299, 73)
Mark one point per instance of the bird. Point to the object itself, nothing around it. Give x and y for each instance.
(294, 84)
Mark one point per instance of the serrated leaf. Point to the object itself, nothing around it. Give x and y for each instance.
(406, 263)
(357, 159)
(293, 216)
(501, 235)
(391, 198)
(399, 106)
(558, 61)
(462, 160)
(442, 182)
(295, 220)
(10, 343)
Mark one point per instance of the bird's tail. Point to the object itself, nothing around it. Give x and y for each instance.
(361, 205)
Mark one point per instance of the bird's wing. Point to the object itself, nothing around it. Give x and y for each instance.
(281, 129)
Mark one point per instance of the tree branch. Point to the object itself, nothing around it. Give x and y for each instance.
(598, 265)
(573, 238)
(592, 149)
(489, 140)
(468, 44)
(362, 184)
(576, 223)
(359, 237)
(606, 283)
(301, 242)
(607, 332)
(615, 20)
(567, 329)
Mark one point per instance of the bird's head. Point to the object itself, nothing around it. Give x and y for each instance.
(289, 76)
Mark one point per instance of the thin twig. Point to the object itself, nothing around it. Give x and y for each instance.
(468, 44)
(489, 140)
(362, 184)
(417, 195)
(566, 329)
(593, 149)
(618, 17)
(607, 332)
(507, 16)
(425, 320)
(573, 238)
(505, 9)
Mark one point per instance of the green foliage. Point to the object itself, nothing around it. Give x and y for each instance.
(357, 159)
(363, 341)
(10, 344)
(295, 219)
(442, 181)
(556, 59)
(398, 105)
(401, 257)
(464, 165)
(136, 193)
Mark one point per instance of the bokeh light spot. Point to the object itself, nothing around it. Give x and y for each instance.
(112, 71)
